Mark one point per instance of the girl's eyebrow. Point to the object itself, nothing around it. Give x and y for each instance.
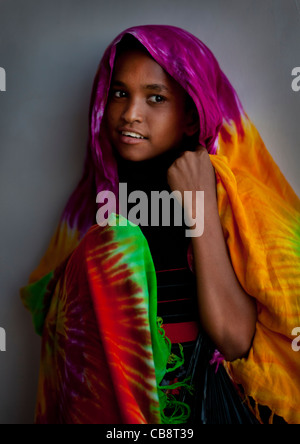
(156, 87)
(159, 87)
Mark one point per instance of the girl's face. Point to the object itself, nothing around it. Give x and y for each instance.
(146, 113)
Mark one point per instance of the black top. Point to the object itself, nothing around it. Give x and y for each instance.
(168, 244)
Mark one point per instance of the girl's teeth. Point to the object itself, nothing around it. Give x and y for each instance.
(136, 136)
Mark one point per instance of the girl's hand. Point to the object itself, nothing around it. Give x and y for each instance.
(193, 171)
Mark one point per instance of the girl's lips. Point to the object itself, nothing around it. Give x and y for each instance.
(130, 140)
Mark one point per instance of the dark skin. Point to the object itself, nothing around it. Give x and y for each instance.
(145, 101)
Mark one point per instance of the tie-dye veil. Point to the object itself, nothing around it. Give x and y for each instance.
(260, 213)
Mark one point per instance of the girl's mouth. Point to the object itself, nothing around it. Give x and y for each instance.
(131, 138)
(132, 134)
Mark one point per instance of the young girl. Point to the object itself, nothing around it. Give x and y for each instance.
(164, 117)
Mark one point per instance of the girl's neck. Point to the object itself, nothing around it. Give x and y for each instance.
(151, 175)
(148, 174)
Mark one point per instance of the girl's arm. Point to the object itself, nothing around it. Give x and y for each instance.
(227, 312)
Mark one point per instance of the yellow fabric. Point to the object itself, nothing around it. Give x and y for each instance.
(260, 216)
(62, 243)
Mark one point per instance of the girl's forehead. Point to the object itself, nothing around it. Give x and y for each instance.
(136, 64)
(135, 58)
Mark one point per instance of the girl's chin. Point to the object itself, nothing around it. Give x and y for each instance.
(134, 155)
(140, 154)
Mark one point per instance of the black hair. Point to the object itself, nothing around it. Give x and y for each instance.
(130, 43)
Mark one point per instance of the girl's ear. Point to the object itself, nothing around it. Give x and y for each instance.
(192, 122)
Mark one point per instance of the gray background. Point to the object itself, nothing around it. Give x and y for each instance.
(50, 51)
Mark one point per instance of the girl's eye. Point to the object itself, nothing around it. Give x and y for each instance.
(157, 99)
(118, 94)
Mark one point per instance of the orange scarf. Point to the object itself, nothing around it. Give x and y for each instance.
(260, 216)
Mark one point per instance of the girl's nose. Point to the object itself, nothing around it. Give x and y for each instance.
(133, 112)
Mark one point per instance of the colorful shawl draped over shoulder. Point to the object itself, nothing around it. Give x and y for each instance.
(93, 297)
